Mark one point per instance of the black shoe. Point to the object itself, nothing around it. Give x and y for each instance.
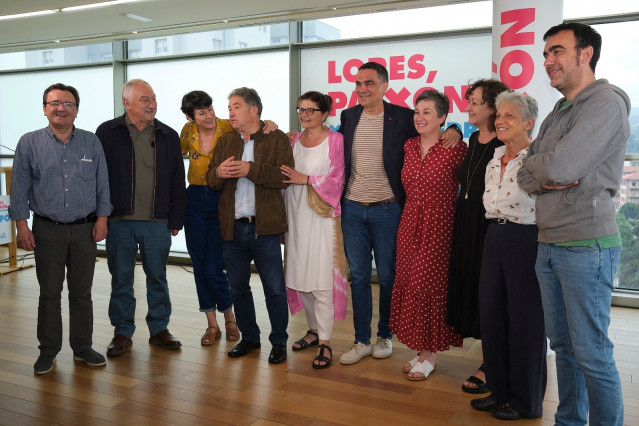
(505, 412)
(485, 404)
(90, 358)
(243, 348)
(44, 364)
(278, 353)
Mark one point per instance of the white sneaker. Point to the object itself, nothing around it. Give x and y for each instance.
(354, 353)
(383, 348)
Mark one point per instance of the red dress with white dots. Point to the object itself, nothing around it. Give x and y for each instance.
(418, 306)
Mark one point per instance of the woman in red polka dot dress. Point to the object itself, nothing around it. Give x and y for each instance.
(429, 176)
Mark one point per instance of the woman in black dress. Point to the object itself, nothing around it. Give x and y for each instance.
(470, 223)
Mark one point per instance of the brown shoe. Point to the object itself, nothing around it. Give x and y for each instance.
(165, 340)
(118, 345)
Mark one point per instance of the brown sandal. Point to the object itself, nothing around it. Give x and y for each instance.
(210, 335)
(232, 332)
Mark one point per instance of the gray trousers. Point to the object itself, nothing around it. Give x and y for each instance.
(60, 247)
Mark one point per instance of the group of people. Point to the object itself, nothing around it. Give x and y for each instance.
(502, 240)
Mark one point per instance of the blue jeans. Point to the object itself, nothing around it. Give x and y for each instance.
(154, 240)
(369, 229)
(265, 251)
(204, 243)
(576, 289)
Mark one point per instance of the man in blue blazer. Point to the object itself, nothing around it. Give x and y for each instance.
(374, 135)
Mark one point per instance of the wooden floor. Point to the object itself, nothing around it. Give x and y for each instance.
(201, 385)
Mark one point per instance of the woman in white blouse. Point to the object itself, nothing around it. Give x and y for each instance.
(512, 319)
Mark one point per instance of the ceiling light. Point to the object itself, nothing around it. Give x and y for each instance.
(96, 5)
(26, 15)
(67, 9)
(137, 17)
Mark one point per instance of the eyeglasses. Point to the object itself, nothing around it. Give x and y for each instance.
(307, 111)
(65, 105)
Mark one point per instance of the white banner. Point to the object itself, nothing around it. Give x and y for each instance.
(5, 222)
(446, 64)
(518, 46)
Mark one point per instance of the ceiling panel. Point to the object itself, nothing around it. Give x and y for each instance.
(167, 16)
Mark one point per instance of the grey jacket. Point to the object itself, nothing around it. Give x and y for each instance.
(586, 142)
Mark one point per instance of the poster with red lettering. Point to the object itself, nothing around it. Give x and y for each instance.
(518, 46)
(446, 64)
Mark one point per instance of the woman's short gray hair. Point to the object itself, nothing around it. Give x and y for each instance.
(442, 104)
(527, 105)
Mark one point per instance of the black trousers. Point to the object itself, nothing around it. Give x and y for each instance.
(512, 318)
(61, 248)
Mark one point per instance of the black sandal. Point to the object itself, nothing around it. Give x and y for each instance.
(480, 387)
(321, 358)
(303, 344)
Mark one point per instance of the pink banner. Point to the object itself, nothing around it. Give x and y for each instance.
(518, 46)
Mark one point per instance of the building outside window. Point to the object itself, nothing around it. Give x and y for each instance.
(161, 46)
(47, 57)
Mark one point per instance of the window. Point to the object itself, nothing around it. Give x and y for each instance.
(95, 85)
(161, 46)
(47, 57)
(236, 38)
(55, 57)
(431, 19)
(217, 76)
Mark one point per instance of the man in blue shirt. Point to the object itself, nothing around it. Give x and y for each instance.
(60, 173)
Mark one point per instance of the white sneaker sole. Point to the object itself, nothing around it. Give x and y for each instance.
(382, 356)
(41, 372)
(352, 361)
(90, 364)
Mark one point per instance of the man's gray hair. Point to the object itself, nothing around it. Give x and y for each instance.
(129, 87)
(250, 96)
(527, 105)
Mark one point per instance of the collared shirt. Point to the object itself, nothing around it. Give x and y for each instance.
(503, 199)
(245, 191)
(198, 160)
(63, 182)
(144, 157)
(368, 181)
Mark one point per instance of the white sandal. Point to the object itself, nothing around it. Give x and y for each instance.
(424, 368)
(412, 363)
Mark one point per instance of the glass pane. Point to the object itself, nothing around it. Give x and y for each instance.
(209, 41)
(628, 222)
(21, 101)
(440, 18)
(217, 76)
(428, 19)
(56, 57)
(574, 9)
(620, 66)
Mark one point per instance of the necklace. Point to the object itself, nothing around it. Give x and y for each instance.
(469, 176)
